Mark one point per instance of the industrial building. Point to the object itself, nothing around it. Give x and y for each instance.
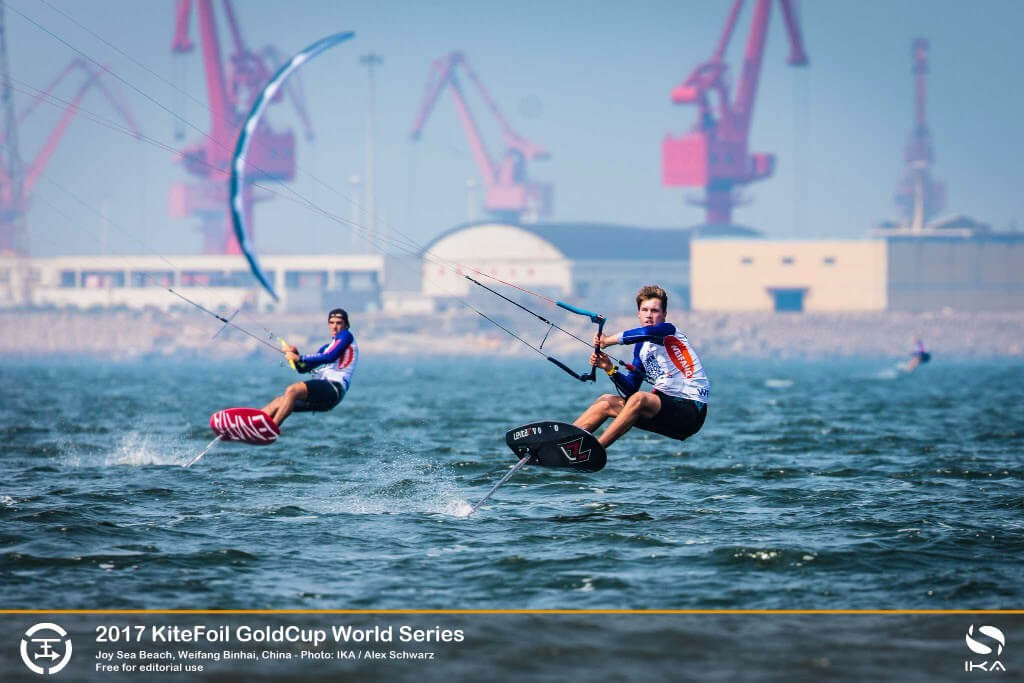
(578, 261)
(953, 265)
(217, 282)
(900, 271)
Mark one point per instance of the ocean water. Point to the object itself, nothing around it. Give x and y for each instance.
(813, 485)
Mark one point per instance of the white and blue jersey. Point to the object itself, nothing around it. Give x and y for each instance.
(336, 360)
(666, 358)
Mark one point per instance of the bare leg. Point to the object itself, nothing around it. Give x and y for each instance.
(271, 407)
(607, 405)
(281, 407)
(640, 404)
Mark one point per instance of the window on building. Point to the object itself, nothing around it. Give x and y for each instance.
(360, 282)
(787, 260)
(68, 278)
(305, 279)
(100, 279)
(243, 278)
(747, 260)
(220, 278)
(830, 260)
(788, 300)
(152, 278)
(199, 278)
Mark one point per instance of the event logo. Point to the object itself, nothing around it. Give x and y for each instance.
(45, 642)
(573, 450)
(993, 637)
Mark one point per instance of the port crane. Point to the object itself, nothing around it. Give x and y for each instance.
(232, 87)
(509, 193)
(715, 155)
(919, 196)
(17, 177)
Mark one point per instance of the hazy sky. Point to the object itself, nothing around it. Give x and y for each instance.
(588, 80)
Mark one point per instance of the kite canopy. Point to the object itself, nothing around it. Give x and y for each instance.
(237, 205)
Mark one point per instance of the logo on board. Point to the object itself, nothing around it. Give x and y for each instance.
(573, 450)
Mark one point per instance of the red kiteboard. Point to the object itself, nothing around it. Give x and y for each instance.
(245, 424)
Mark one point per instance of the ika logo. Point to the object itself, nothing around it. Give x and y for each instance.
(46, 641)
(573, 450)
(994, 642)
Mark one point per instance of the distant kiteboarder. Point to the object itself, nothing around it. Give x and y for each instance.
(678, 404)
(332, 367)
(918, 356)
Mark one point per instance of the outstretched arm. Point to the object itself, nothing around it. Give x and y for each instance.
(653, 333)
(331, 353)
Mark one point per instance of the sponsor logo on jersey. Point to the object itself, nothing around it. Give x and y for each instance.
(652, 368)
(679, 353)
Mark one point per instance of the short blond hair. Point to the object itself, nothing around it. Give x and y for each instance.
(652, 292)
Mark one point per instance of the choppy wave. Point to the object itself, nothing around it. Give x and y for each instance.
(811, 486)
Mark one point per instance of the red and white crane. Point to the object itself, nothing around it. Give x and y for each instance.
(714, 154)
(18, 178)
(510, 195)
(919, 196)
(231, 89)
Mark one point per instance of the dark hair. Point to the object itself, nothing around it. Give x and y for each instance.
(338, 311)
(652, 292)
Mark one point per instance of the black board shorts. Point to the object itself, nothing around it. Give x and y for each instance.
(321, 396)
(679, 418)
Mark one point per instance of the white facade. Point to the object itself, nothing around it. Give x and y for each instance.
(213, 281)
(500, 251)
(600, 264)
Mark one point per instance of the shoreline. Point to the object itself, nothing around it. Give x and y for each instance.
(184, 334)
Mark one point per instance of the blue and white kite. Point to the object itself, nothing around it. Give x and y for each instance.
(237, 205)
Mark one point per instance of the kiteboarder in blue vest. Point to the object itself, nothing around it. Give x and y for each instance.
(918, 356)
(332, 367)
(678, 403)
